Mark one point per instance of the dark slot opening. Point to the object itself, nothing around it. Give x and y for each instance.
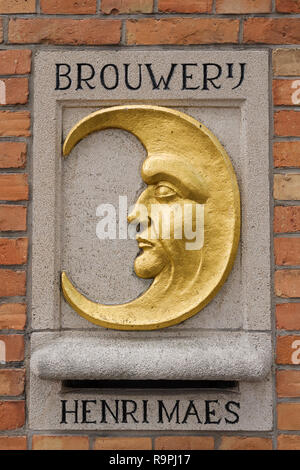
(72, 385)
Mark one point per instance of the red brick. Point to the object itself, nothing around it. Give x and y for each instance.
(12, 316)
(287, 283)
(13, 187)
(117, 7)
(74, 7)
(184, 443)
(288, 383)
(15, 62)
(287, 251)
(12, 382)
(182, 31)
(288, 6)
(64, 31)
(245, 443)
(13, 443)
(123, 443)
(12, 283)
(286, 62)
(14, 123)
(12, 415)
(17, 6)
(12, 154)
(288, 349)
(185, 6)
(272, 30)
(286, 219)
(14, 347)
(286, 92)
(288, 316)
(60, 442)
(288, 442)
(14, 91)
(288, 416)
(286, 154)
(243, 6)
(13, 250)
(287, 123)
(287, 187)
(12, 218)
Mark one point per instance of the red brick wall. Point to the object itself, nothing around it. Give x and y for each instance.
(27, 24)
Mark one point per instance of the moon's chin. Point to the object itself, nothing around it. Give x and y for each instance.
(148, 265)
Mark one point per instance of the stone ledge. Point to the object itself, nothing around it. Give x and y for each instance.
(209, 356)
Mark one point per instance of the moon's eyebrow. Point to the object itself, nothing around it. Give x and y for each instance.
(170, 168)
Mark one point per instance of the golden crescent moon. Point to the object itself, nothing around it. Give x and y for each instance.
(175, 143)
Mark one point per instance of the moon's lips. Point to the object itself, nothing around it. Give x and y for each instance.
(189, 155)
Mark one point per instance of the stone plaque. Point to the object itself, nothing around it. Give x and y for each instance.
(188, 358)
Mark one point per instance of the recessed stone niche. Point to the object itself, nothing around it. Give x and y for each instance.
(210, 372)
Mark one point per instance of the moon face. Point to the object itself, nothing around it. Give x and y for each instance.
(162, 201)
(187, 171)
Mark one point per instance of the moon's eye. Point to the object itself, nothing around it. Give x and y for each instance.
(164, 190)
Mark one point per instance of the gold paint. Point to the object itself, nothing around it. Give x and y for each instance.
(183, 156)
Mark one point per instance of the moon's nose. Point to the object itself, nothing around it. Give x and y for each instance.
(140, 218)
(139, 212)
(132, 216)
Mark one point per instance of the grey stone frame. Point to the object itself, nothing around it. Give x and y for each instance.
(246, 354)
